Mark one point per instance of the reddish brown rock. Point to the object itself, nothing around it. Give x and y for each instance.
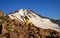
(1, 13)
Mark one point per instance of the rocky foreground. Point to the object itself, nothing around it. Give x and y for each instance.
(17, 29)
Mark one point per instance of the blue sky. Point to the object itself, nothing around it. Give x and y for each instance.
(49, 8)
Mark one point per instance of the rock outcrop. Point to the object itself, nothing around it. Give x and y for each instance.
(1, 13)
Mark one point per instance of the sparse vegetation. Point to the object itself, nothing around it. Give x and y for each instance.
(2, 17)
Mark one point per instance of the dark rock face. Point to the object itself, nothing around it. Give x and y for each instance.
(0, 29)
(59, 23)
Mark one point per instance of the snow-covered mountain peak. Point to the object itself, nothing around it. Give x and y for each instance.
(22, 11)
(38, 21)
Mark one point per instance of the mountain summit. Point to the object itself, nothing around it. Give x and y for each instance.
(27, 24)
(37, 20)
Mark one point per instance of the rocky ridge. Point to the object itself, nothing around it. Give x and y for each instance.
(12, 28)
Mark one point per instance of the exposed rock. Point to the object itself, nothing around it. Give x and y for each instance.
(1, 20)
(20, 30)
(1, 13)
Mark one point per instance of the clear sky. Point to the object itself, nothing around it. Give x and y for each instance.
(49, 8)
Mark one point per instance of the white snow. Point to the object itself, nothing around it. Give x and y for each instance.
(11, 16)
(44, 23)
(37, 21)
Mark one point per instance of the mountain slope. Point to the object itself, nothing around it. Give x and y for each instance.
(14, 26)
(37, 20)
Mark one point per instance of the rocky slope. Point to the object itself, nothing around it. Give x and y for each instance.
(13, 28)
